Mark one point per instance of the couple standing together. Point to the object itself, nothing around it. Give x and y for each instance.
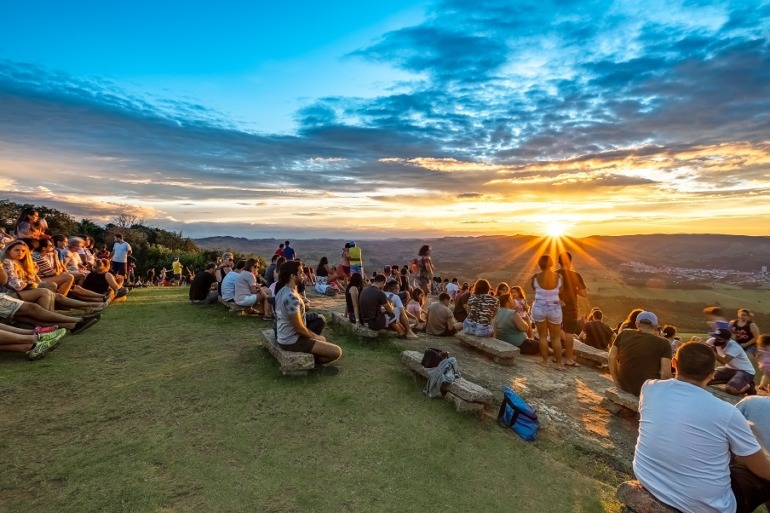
(555, 308)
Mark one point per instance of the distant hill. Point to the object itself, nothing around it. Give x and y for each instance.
(471, 256)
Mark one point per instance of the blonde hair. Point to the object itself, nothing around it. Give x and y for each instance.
(26, 269)
(101, 265)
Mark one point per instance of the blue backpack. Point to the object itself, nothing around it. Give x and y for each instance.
(518, 415)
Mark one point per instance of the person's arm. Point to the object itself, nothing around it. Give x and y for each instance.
(129, 251)
(3, 276)
(665, 368)
(450, 322)
(582, 336)
(758, 463)
(519, 322)
(296, 321)
(613, 362)
(724, 360)
(754, 331)
(111, 281)
(14, 281)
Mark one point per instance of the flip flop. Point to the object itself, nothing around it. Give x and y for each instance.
(572, 364)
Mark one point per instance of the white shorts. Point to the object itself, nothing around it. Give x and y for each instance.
(249, 300)
(9, 306)
(546, 311)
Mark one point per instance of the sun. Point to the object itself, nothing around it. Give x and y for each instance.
(555, 229)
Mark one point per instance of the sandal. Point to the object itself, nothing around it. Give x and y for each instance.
(571, 364)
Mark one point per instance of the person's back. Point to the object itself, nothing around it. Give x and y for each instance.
(369, 301)
(460, 313)
(506, 329)
(438, 315)
(200, 285)
(685, 439)
(243, 284)
(288, 253)
(228, 285)
(639, 357)
(597, 334)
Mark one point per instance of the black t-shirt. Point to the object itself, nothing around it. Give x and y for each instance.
(369, 302)
(639, 356)
(571, 282)
(200, 286)
(598, 334)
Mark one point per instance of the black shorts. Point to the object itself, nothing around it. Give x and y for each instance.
(750, 490)
(118, 268)
(302, 345)
(570, 322)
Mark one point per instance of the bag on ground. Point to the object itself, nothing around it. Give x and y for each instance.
(432, 357)
(518, 415)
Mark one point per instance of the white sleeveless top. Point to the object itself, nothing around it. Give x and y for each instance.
(546, 295)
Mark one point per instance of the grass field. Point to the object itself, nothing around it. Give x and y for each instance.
(169, 407)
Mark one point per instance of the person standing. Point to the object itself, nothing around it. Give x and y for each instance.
(288, 251)
(745, 331)
(176, 267)
(424, 269)
(119, 255)
(572, 287)
(356, 258)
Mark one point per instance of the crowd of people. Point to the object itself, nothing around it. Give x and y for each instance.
(52, 285)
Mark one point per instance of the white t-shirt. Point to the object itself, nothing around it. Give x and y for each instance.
(452, 289)
(120, 252)
(740, 361)
(398, 305)
(243, 284)
(228, 285)
(685, 439)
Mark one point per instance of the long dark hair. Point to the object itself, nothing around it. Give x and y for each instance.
(356, 280)
(423, 250)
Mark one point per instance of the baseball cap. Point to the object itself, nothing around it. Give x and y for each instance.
(647, 318)
(722, 334)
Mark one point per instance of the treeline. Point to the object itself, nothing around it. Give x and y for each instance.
(152, 247)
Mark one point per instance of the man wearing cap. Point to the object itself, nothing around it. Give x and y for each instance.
(737, 370)
(639, 355)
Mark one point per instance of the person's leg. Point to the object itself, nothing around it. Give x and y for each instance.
(43, 297)
(722, 375)
(325, 352)
(404, 321)
(89, 295)
(569, 346)
(740, 383)
(554, 330)
(63, 282)
(74, 303)
(32, 313)
(16, 343)
(750, 490)
(542, 331)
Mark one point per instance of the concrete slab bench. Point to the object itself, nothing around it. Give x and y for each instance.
(292, 364)
(501, 352)
(464, 394)
(636, 499)
(590, 355)
(621, 398)
(232, 307)
(359, 329)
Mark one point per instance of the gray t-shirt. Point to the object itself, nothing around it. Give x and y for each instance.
(287, 304)
(243, 284)
(756, 409)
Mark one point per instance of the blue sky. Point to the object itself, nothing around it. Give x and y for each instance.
(419, 118)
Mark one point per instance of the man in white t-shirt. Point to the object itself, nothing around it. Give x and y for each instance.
(687, 437)
(121, 250)
(737, 370)
(452, 289)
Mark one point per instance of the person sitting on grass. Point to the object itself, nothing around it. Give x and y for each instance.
(16, 310)
(439, 320)
(639, 355)
(696, 452)
(227, 287)
(203, 288)
(72, 261)
(248, 293)
(482, 307)
(736, 370)
(34, 344)
(102, 281)
(293, 332)
(376, 310)
(51, 270)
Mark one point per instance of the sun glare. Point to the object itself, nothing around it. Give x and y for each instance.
(555, 229)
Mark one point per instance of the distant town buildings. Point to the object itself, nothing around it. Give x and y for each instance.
(729, 276)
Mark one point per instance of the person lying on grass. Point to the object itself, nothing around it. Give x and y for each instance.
(293, 331)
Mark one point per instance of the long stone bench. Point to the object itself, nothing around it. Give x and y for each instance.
(359, 329)
(464, 394)
(232, 307)
(590, 355)
(636, 499)
(620, 397)
(501, 352)
(292, 364)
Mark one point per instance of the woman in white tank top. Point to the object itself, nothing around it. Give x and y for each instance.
(546, 309)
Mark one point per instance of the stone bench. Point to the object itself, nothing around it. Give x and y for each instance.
(619, 397)
(590, 355)
(292, 364)
(465, 395)
(232, 307)
(360, 329)
(636, 499)
(501, 352)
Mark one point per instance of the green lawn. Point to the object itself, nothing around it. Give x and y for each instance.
(169, 407)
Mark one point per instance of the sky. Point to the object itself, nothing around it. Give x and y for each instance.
(391, 119)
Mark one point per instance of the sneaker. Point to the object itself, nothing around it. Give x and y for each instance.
(122, 291)
(53, 338)
(45, 329)
(86, 323)
(45, 342)
(412, 336)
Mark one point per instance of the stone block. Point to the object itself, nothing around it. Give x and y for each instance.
(637, 499)
(462, 406)
(462, 388)
(501, 352)
(360, 330)
(590, 354)
(292, 364)
(622, 398)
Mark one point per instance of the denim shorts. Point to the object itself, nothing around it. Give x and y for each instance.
(476, 329)
(546, 311)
